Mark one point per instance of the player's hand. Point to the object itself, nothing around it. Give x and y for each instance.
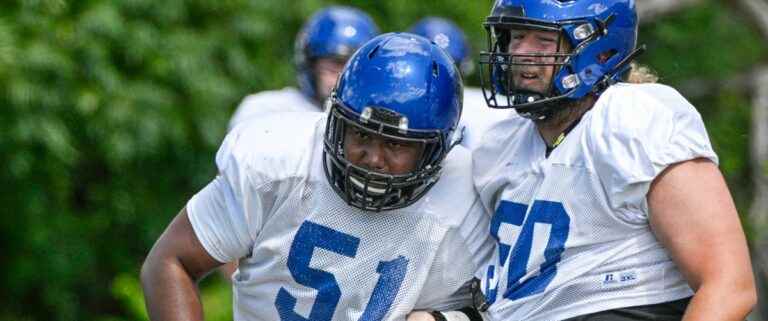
(419, 316)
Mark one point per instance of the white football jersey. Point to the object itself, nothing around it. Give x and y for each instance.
(477, 117)
(304, 253)
(572, 230)
(287, 99)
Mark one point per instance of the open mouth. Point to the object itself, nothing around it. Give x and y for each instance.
(528, 75)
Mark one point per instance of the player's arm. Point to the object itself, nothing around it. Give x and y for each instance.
(693, 215)
(170, 273)
(228, 269)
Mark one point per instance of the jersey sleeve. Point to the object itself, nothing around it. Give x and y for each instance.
(465, 212)
(467, 243)
(259, 163)
(477, 117)
(637, 132)
(274, 101)
(257, 104)
(458, 260)
(227, 214)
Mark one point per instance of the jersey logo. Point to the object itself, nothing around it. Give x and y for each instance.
(311, 236)
(619, 278)
(528, 225)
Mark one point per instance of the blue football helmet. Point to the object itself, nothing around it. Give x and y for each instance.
(448, 36)
(596, 42)
(334, 32)
(403, 87)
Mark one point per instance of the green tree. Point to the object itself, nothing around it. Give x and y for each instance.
(113, 111)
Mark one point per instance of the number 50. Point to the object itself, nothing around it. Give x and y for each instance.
(542, 212)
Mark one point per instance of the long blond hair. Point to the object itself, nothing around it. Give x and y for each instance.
(640, 74)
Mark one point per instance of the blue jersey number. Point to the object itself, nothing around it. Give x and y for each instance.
(542, 212)
(311, 236)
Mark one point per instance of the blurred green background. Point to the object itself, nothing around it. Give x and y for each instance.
(113, 110)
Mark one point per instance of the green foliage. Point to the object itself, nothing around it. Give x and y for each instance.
(765, 169)
(712, 42)
(727, 115)
(113, 111)
(126, 288)
(707, 41)
(217, 299)
(216, 295)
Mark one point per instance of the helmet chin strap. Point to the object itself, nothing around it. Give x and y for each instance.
(525, 96)
(537, 112)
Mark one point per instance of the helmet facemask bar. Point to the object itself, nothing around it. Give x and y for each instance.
(498, 67)
(375, 191)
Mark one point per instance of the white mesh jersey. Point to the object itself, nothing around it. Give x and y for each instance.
(288, 99)
(477, 117)
(572, 230)
(304, 254)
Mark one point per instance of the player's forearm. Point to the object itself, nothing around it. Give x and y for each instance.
(170, 293)
(728, 301)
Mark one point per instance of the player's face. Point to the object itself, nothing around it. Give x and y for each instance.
(526, 41)
(381, 154)
(326, 71)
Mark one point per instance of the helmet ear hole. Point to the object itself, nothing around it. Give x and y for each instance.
(435, 70)
(373, 52)
(604, 56)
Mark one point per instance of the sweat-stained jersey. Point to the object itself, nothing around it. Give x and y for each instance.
(287, 99)
(304, 253)
(572, 230)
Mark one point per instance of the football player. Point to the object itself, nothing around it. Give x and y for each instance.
(360, 213)
(476, 118)
(607, 198)
(323, 45)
